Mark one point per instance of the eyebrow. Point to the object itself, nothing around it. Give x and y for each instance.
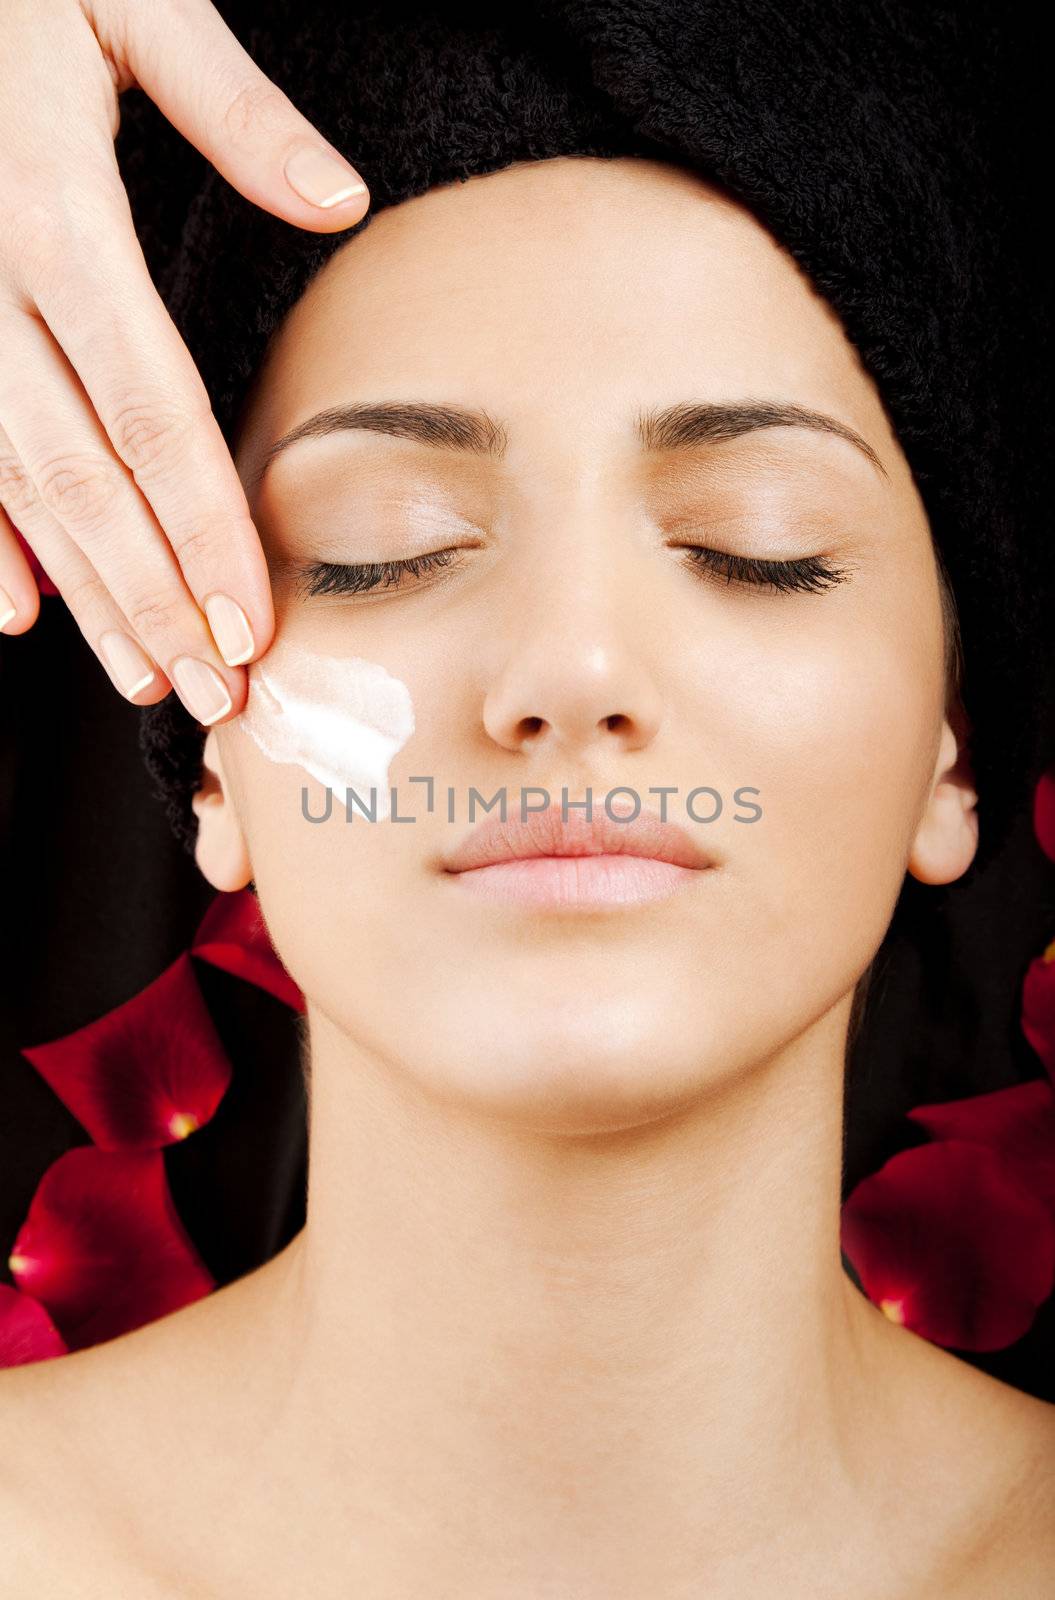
(448, 427)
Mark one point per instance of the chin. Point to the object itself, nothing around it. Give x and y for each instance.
(577, 1068)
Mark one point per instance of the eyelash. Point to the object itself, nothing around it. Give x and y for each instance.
(338, 577)
(805, 574)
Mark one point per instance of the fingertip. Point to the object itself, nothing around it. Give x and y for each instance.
(236, 684)
(151, 692)
(18, 610)
(343, 216)
(326, 181)
(232, 633)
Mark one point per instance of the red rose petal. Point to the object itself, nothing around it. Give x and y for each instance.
(1018, 1123)
(948, 1240)
(103, 1247)
(27, 1333)
(1038, 1006)
(147, 1073)
(1044, 813)
(232, 936)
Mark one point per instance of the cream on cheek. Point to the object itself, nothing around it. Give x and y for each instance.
(340, 718)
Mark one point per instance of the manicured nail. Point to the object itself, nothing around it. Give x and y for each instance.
(230, 628)
(201, 688)
(127, 662)
(8, 609)
(322, 178)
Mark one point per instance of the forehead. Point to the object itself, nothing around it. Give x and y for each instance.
(556, 289)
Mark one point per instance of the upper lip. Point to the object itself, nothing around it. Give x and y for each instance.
(545, 833)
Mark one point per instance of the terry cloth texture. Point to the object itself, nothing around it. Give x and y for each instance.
(862, 135)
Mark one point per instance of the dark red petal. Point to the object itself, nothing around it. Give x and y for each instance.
(1044, 813)
(946, 1239)
(27, 1333)
(232, 935)
(1038, 1006)
(145, 1074)
(44, 583)
(103, 1247)
(1018, 1123)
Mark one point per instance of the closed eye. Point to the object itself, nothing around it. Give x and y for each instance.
(339, 577)
(805, 574)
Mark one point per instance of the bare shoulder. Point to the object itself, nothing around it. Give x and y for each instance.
(82, 1440)
(987, 1453)
(97, 1445)
(44, 1501)
(1018, 1550)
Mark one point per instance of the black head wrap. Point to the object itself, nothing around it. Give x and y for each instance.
(861, 135)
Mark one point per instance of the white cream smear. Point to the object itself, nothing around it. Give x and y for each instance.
(340, 718)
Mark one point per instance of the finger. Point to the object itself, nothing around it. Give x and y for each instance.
(69, 473)
(130, 670)
(36, 567)
(103, 311)
(94, 610)
(195, 70)
(19, 595)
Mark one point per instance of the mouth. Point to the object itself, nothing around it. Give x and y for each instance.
(573, 881)
(544, 860)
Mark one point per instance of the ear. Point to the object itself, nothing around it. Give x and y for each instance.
(220, 849)
(946, 839)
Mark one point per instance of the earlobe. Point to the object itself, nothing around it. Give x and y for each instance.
(220, 849)
(946, 839)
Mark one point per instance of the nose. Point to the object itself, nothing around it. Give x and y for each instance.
(578, 678)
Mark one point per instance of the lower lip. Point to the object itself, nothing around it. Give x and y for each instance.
(601, 880)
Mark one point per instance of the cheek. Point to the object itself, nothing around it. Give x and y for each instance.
(840, 703)
(355, 909)
(324, 886)
(849, 741)
(840, 727)
(328, 885)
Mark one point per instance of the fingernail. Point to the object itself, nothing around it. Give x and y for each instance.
(129, 664)
(230, 628)
(201, 688)
(8, 609)
(322, 178)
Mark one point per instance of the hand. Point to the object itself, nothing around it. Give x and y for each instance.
(112, 465)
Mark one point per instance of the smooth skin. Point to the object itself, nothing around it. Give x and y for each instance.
(568, 1316)
(112, 465)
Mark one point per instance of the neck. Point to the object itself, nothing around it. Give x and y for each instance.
(516, 1333)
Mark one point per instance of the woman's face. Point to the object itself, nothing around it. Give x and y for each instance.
(572, 641)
